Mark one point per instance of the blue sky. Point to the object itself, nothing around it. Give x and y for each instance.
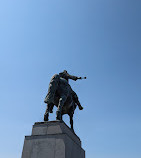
(100, 39)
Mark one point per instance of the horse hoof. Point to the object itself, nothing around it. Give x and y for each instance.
(81, 108)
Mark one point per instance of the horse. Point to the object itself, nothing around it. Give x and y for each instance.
(62, 99)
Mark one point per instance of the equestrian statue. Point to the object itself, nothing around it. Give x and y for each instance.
(62, 96)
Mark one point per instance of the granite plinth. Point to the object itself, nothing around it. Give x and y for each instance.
(53, 139)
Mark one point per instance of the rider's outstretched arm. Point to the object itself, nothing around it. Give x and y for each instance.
(76, 78)
(67, 76)
(73, 77)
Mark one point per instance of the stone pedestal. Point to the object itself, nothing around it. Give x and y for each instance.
(52, 139)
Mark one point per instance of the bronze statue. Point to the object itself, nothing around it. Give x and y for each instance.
(62, 96)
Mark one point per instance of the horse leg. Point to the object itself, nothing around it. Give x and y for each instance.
(46, 115)
(60, 105)
(76, 100)
(51, 106)
(71, 122)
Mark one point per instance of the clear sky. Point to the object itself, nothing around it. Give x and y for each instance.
(100, 39)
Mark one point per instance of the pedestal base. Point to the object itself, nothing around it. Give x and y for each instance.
(52, 139)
